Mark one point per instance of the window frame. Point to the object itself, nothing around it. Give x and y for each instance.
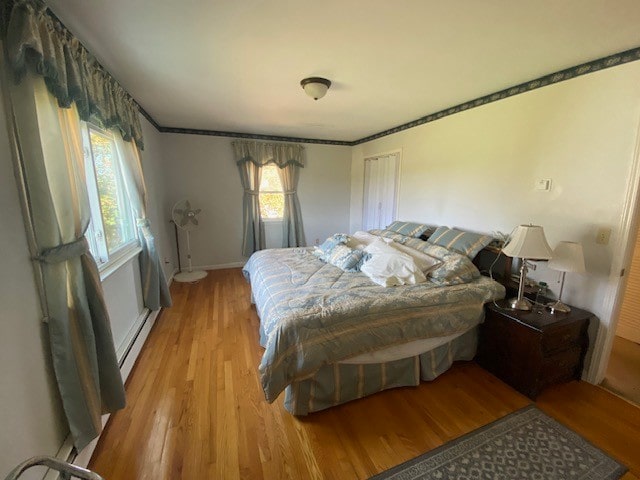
(281, 192)
(108, 262)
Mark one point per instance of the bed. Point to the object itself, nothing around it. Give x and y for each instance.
(332, 336)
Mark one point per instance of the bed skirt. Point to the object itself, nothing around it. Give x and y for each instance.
(340, 383)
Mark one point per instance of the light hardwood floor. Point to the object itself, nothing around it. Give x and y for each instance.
(623, 371)
(196, 411)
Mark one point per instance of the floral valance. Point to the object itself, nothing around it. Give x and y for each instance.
(36, 41)
(261, 153)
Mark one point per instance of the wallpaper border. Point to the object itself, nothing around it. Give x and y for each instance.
(614, 60)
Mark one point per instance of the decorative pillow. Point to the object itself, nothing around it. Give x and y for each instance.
(410, 229)
(329, 244)
(466, 243)
(345, 258)
(387, 266)
(361, 239)
(389, 235)
(454, 269)
(423, 261)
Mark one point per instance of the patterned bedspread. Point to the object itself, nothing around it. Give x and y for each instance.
(314, 314)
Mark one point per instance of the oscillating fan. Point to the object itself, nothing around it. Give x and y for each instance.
(186, 218)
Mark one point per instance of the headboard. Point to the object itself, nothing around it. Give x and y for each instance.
(486, 258)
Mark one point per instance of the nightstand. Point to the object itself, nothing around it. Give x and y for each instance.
(535, 349)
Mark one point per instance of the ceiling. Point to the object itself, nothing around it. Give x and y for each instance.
(235, 65)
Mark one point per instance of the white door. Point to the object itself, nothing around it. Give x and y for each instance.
(380, 188)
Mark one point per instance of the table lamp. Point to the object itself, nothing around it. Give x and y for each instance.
(567, 257)
(527, 242)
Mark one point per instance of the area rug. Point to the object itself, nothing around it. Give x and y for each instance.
(526, 444)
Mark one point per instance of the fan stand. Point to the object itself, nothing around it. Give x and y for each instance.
(190, 275)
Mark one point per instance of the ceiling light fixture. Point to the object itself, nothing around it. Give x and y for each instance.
(315, 87)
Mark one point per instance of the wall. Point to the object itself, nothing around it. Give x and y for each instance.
(159, 206)
(202, 169)
(477, 169)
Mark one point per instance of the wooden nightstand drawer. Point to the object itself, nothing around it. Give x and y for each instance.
(562, 338)
(567, 360)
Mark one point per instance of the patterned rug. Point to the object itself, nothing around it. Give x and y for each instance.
(526, 444)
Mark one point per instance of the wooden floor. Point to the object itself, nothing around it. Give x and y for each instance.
(623, 371)
(196, 411)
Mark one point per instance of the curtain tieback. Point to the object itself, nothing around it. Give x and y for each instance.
(64, 252)
(143, 223)
(290, 192)
(251, 192)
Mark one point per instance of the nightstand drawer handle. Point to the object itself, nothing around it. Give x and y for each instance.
(567, 336)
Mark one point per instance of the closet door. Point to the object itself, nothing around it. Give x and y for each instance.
(380, 188)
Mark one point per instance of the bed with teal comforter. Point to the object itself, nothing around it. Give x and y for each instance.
(313, 316)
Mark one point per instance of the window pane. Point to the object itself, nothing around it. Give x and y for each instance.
(116, 219)
(271, 205)
(270, 180)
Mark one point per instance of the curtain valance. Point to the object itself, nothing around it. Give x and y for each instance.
(36, 41)
(261, 153)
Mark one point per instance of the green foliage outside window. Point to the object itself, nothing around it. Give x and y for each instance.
(271, 196)
(103, 160)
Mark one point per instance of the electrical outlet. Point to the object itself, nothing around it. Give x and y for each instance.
(602, 238)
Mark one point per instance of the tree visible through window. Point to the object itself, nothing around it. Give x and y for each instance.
(271, 195)
(112, 227)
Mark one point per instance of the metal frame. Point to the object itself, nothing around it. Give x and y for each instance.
(66, 469)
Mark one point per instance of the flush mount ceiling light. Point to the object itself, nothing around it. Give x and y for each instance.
(315, 87)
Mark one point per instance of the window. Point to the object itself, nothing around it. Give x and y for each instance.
(112, 231)
(271, 196)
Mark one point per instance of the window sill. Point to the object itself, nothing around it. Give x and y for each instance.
(118, 260)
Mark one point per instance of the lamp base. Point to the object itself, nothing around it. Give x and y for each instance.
(558, 306)
(519, 304)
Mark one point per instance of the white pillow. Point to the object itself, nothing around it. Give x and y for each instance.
(388, 266)
(423, 261)
(361, 239)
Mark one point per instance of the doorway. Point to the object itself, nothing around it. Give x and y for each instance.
(623, 371)
(381, 174)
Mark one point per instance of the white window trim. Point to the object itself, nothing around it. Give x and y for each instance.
(119, 258)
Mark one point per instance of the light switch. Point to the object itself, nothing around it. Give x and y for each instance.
(543, 184)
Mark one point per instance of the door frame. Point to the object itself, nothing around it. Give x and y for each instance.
(621, 260)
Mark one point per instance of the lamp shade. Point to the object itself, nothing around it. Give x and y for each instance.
(528, 241)
(568, 257)
(315, 87)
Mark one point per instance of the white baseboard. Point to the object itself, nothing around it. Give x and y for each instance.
(134, 345)
(173, 274)
(220, 266)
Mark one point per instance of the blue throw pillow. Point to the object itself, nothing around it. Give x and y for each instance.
(410, 229)
(466, 243)
(345, 258)
(329, 244)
